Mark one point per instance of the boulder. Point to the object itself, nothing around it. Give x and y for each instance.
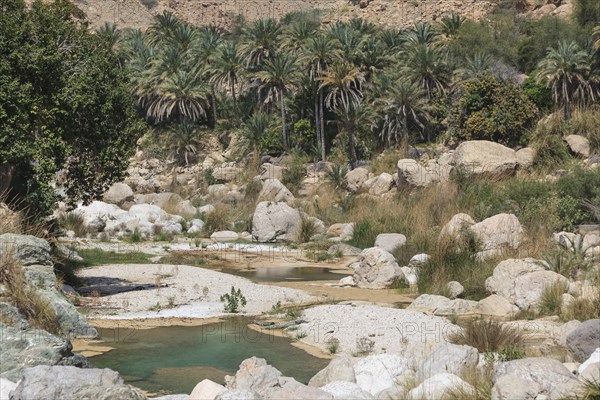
(225, 236)
(440, 305)
(119, 194)
(390, 242)
(579, 145)
(347, 232)
(455, 289)
(149, 212)
(356, 178)
(525, 157)
(457, 225)
(239, 394)
(254, 374)
(418, 259)
(167, 227)
(502, 281)
(593, 360)
(441, 386)
(290, 389)
(482, 157)
(411, 174)
(206, 209)
(171, 203)
(344, 390)
(70, 383)
(449, 358)
(377, 372)
(25, 249)
(499, 232)
(584, 339)
(339, 369)
(529, 287)
(274, 190)
(336, 230)
(97, 213)
(206, 390)
(347, 281)
(270, 171)
(196, 226)
(382, 184)
(496, 306)
(343, 249)
(6, 387)
(530, 377)
(375, 269)
(273, 222)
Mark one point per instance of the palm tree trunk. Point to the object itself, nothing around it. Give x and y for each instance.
(285, 138)
(317, 124)
(351, 145)
(213, 99)
(322, 124)
(232, 87)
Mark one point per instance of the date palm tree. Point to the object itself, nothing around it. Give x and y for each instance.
(260, 41)
(295, 37)
(226, 69)
(344, 82)
(317, 54)
(404, 104)
(427, 65)
(567, 69)
(204, 50)
(184, 140)
(252, 134)
(163, 28)
(278, 75)
(451, 24)
(596, 35)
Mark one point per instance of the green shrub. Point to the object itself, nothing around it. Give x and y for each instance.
(233, 300)
(551, 298)
(217, 220)
(509, 353)
(489, 109)
(333, 345)
(364, 234)
(538, 92)
(72, 221)
(308, 228)
(293, 175)
(336, 176)
(252, 190)
(586, 12)
(550, 149)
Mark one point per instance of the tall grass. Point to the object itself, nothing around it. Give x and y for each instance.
(308, 228)
(488, 336)
(38, 311)
(218, 220)
(551, 298)
(72, 221)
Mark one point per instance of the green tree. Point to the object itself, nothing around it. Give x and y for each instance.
(490, 109)
(64, 106)
(226, 70)
(567, 70)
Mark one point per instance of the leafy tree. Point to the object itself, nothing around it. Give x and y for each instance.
(258, 135)
(66, 116)
(567, 70)
(489, 109)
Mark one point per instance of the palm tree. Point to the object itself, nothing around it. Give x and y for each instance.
(567, 69)
(296, 35)
(422, 33)
(109, 33)
(205, 50)
(181, 94)
(596, 34)
(349, 41)
(404, 104)
(184, 139)
(226, 68)
(252, 133)
(451, 24)
(260, 41)
(474, 65)
(344, 82)
(163, 28)
(427, 66)
(277, 76)
(317, 54)
(393, 39)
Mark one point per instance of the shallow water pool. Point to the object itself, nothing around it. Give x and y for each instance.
(174, 359)
(282, 274)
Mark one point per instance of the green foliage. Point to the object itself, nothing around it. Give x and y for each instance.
(551, 298)
(489, 109)
(586, 12)
(64, 105)
(304, 134)
(72, 221)
(509, 353)
(233, 300)
(308, 228)
(488, 336)
(333, 345)
(550, 148)
(336, 175)
(538, 92)
(364, 234)
(294, 174)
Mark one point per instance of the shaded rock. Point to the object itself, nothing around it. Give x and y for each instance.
(531, 377)
(270, 171)
(119, 194)
(67, 382)
(25, 249)
(275, 222)
(206, 209)
(343, 249)
(411, 174)
(196, 226)
(377, 372)
(206, 390)
(375, 269)
(356, 178)
(339, 369)
(274, 190)
(347, 232)
(457, 226)
(502, 281)
(382, 184)
(579, 145)
(239, 394)
(584, 340)
(454, 289)
(482, 157)
(440, 387)
(290, 389)
(498, 232)
(11, 316)
(496, 306)
(449, 358)
(390, 242)
(344, 390)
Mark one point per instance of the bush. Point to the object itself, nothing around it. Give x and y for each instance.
(308, 228)
(587, 12)
(489, 109)
(336, 176)
(233, 300)
(538, 92)
(218, 220)
(488, 336)
(293, 175)
(72, 221)
(364, 234)
(550, 149)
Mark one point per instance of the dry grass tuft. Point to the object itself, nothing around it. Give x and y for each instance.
(38, 311)
(488, 336)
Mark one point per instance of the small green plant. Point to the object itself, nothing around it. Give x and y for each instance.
(301, 335)
(171, 301)
(364, 346)
(336, 176)
(276, 308)
(487, 336)
(333, 345)
(72, 221)
(591, 389)
(509, 353)
(308, 228)
(157, 307)
(135, 237)
(233, 300)
(293, 313)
